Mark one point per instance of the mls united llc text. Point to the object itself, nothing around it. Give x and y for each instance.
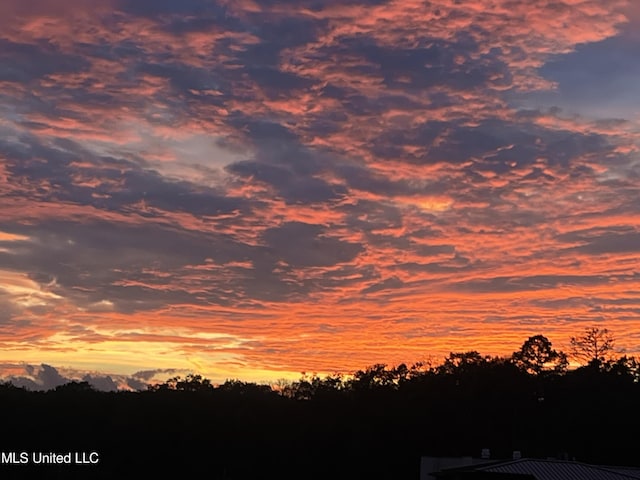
(49, 458)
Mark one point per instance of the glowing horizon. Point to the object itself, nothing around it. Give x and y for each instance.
(252, 189)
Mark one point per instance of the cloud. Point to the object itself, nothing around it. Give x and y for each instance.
(535, 282)
(598, 241)
(262, 187)
(46, 377)
(305, 245)
(389, 283)
(24, 63)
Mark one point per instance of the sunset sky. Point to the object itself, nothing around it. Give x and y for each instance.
(253, 189)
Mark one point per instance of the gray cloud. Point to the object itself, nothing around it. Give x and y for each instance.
(532, 282)
(110, 261)
(390, 283)
(598, 241)
(46, 377)
(306, 245)
(23, 63)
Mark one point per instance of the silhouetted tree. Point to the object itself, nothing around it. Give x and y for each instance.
(537, 355)
(282, 386)
(246, 430)
(374, 376)
(623, 366)
(192, 383)
(593, 347)
(241, 388)
(420, 369)
(75, 387)
(7, 385)
(460, 363)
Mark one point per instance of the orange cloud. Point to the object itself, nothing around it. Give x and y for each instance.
(258, 190)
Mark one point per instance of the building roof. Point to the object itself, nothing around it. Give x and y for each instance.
(632, 471)
(549, 470)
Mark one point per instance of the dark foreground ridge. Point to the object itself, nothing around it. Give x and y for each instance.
(375, 424)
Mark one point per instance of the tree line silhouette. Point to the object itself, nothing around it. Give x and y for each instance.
(375, 423)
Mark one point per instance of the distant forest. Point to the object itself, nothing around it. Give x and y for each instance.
(374, 424)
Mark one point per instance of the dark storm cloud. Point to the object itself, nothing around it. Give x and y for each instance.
(361, 178)
(115, 183)
(435, 267)
(367, 216)
(391, 283)
(293, 188)
(105, 261)
(156, 191)
(306, 245)
(320, 5)
(184, 78)
(257, 62)
(291, 169)
(266, 134)
(23, 63)
(533, 282)
(154, 8)
(435, 63)
(276, 33)
(7, 308)
(274, 82)
(499, 143)
(598, 241)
